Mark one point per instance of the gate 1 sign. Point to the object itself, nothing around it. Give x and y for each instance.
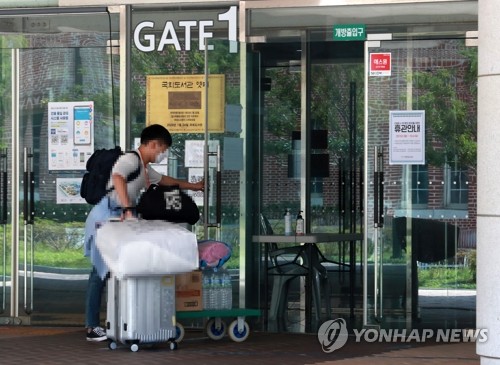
(407, 137)
(147, 36)
(380, 64)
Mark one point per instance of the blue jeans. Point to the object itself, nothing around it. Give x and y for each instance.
(95, 289)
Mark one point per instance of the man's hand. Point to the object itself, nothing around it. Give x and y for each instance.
(127, 214)
(198, 186)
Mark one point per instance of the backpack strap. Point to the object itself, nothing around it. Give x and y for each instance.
(132, 176)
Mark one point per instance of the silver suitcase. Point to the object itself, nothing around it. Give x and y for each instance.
(141, 310)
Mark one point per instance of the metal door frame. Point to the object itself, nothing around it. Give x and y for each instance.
(373, 41)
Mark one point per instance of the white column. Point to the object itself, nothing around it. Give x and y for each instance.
(488, 187)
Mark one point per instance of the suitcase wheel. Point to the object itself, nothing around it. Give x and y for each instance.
(134, 347)
(179, 332)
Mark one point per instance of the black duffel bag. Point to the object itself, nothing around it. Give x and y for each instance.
(167, 203)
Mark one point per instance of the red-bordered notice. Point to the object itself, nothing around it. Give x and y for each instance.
(380, 64)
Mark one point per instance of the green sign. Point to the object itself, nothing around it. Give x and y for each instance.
(349, 32)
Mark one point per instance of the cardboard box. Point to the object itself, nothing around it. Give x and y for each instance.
(188, 295)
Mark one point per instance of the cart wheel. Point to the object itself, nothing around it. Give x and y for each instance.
(213, 332)
(236, 335)
(112, 345)
(134, 347)
(179, 332)
(173, 345)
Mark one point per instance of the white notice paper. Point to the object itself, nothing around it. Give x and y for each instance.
(407, 137)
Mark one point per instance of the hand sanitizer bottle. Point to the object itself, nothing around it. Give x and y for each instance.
(299, 227)
(288, 222)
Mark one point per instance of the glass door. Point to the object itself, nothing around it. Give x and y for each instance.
(310, 131)
(56, 79)
(420, 146)
(196, 84)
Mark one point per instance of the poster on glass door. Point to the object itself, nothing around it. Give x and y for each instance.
(380, 64)
(68, 191)
(71, 134)
(194, 153)
(407, 137)
(197, 174)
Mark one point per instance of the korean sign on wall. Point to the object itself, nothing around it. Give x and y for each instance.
(178, 102)
(380, 64)
(71, 134)
(349, 32)
(407, 137)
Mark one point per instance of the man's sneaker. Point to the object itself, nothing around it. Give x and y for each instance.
(97, 334)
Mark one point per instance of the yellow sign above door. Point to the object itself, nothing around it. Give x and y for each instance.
(178, 102)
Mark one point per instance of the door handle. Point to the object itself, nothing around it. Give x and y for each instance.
(25, 188)
(378, 197)
(378, 187)
(29, 188)
(28, 212)
(3, 169)
(218, 193)
(218, 208)
(3, 221)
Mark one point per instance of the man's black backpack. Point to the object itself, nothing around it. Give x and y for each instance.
(99, 167)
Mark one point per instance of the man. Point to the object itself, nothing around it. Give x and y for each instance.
(120, 202)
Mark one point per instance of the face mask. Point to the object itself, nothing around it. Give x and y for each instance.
(161, 156)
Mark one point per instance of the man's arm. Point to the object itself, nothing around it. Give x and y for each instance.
(183, 184)
(120, 184)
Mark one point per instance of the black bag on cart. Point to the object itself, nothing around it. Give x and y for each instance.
(167, 203)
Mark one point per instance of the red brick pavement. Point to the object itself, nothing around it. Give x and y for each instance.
(59, 345)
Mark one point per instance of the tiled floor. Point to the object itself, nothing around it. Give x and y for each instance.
(67, 345)
(41, 344)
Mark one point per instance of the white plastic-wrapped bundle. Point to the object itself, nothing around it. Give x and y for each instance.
(142, 247)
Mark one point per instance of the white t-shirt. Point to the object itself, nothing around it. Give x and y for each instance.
(125, 166)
